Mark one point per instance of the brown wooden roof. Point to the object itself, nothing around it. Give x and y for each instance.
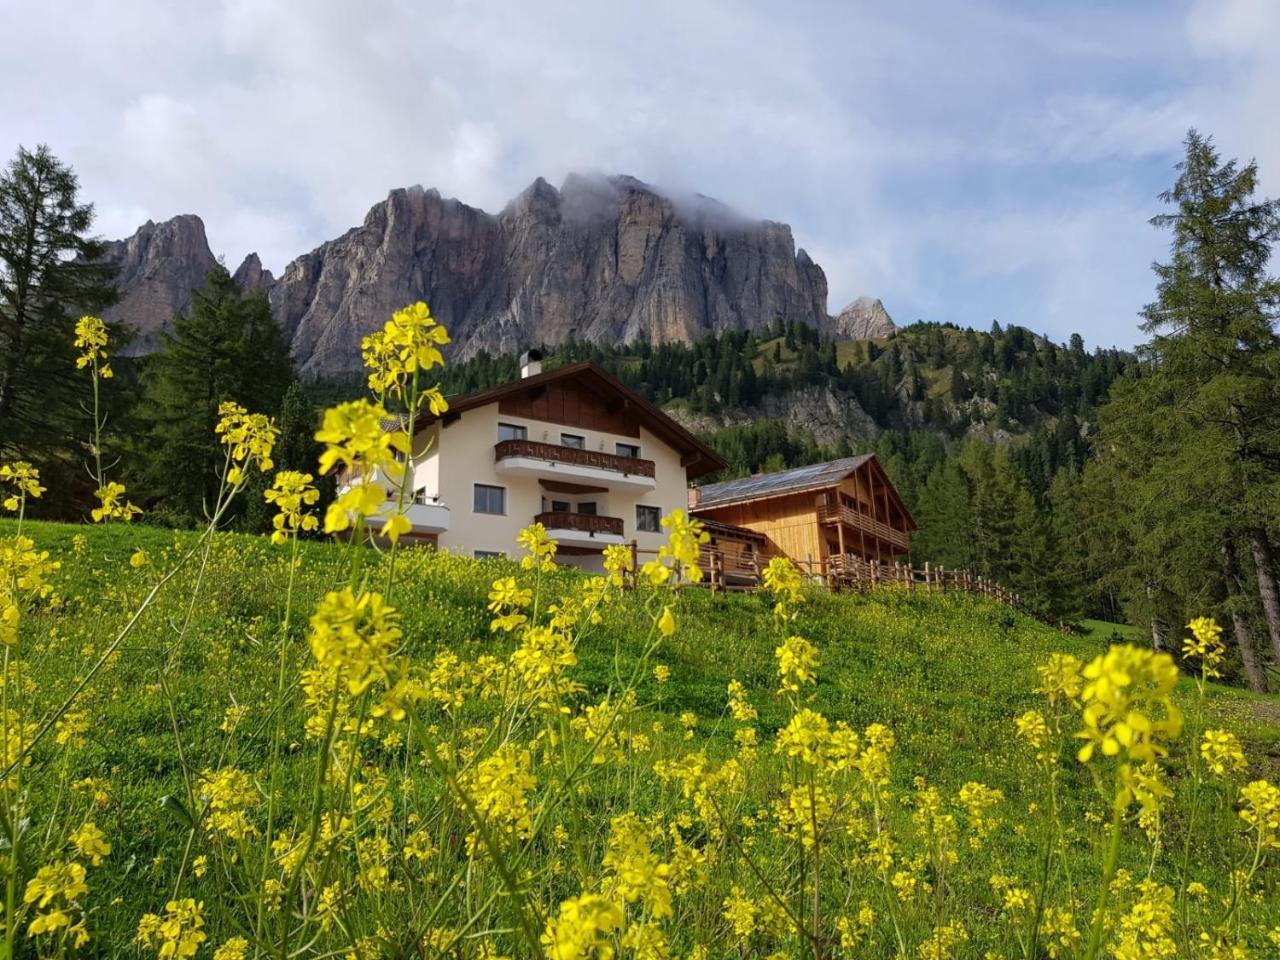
(697, 458)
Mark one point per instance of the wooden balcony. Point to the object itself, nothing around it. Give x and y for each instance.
(843, 513)
(589, 524)
(551, 460)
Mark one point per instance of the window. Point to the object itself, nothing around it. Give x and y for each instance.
(560, 506)
(489, 554)
(512, 431)
(573, 440)
(627, 449)
(490, 499)
(588, 507)
(648, 519)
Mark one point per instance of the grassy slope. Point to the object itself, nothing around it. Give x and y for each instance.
(946, 673)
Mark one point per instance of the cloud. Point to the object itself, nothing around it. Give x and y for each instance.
(961, 159)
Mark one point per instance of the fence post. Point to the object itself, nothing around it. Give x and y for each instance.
(928, 579)
(875, 575)
(942, 578)
(635, 564)
(911, 576)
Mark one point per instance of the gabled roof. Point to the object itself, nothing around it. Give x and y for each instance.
(697, 458)
(815, 476)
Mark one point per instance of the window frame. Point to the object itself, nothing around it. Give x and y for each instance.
(633, 450)
(520, 429)
(648, 509)
(580, 445)
(488, 488)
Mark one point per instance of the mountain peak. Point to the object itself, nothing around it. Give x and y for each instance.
(863, 319)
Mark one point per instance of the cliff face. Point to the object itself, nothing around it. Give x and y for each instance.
(601, 259)
(159, 266)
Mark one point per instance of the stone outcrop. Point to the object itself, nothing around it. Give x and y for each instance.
(864, 319)
(602, 259)
(159, 267)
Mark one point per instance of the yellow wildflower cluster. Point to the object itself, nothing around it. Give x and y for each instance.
(228, 794)
(292, 492)
(355, 438)
(540, 550)
(177, 934)
(1205, 645)
(679, 555)
(55, 892)
(354, 637)
(407, 344)
(112, 504)
(1128, 705)
(499, 786)
(1222, 753)
(247, 437)
(583, 929)
(1261, 811)
(797, 664)
(91, 340)
(783, 580)
(24, 479)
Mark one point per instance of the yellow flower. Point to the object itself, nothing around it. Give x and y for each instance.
(233, 949)
(91, 843)
(409, 342)
(499, 786)
(248, 437)
(1222, 753)
(292, 492)
(177, 934)
(637, 873)
(24, 478)
(541, 549)
(582, 929)
(91, 340)
(1205, 645)
(354, 636)
(618, 562)
(797, 663)
(54, 890)
(666, 622)
(111, 506)
(1261, 811)
(740, 911)
(1128, 705)
(138, 559)
(356, 437)
(1060, 678)
(806, 736)
(1146, 931)
(228, 794)
(783, 580)
(661, 672)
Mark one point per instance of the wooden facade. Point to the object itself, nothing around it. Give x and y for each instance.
(815, 513)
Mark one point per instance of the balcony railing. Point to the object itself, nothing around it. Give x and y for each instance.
(843, 513)
(573, 455)
(581, 522)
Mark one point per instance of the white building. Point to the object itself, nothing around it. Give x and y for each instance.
(572, 448)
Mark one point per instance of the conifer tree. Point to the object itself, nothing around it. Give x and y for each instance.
(48, 277)
(227, 347)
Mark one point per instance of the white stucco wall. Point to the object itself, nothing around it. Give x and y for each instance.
(461, 455)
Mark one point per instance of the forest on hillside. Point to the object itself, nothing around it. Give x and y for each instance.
(1096, 483)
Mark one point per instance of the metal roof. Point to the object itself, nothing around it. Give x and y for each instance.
(796, 480)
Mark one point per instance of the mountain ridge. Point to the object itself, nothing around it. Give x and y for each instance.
(601, 259)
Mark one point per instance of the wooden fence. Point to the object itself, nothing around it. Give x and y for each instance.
(724, 571)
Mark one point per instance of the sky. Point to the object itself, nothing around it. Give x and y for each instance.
(963, 160)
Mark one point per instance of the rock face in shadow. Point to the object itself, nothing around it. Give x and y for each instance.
(602, 259)
(159, 267)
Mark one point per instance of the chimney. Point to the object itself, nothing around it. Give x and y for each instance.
(695, 497)
(530, 363)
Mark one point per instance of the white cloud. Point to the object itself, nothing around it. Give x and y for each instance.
(961, 159)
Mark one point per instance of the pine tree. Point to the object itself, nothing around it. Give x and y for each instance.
(1193, 431)
(227, 347)
(48, 277)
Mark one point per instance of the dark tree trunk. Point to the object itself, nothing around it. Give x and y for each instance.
(1264, 563)
(1253, 669)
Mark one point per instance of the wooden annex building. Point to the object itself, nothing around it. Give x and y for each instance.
(846, 509)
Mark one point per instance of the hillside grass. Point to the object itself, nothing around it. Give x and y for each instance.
(947, 673)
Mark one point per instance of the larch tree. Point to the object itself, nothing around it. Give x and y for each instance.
(49, 275)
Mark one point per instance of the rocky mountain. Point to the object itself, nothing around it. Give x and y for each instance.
(864, 319)
(602, 259)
